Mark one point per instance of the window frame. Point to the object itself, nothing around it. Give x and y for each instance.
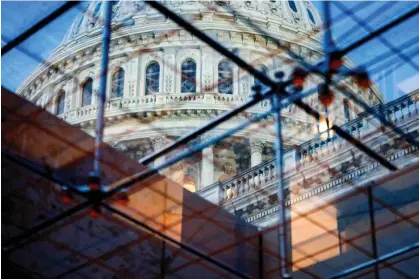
(155, 76)
(60, 103)
(121, 82)
(88, 81)
(291, 6)
(220, 78)
(194, 90)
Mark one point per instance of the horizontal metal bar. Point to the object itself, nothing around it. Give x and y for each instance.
(376, 261)
(38, 26)
(175, 242)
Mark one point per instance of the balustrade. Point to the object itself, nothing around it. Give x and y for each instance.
(264, 174)
(168, 101)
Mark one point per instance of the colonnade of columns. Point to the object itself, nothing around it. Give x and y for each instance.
(207, 169)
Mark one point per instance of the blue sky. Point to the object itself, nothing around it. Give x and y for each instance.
(18, 16)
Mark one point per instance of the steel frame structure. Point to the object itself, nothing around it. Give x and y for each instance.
(278, 92)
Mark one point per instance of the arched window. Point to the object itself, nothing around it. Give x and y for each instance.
(97, 9)
(87, 92)
(264, 70)
(118, 78)
(225, 77)
(60, 102)
(292, 5)
(310, 16)
(188, 81)
(152, 78)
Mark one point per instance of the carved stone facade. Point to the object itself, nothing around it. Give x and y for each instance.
(140, 123)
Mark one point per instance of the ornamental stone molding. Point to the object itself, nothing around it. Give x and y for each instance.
(256, 145)
(141, 35)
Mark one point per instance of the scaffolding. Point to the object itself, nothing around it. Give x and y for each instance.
(227, 247)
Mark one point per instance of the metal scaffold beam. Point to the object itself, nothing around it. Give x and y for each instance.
(279, 92)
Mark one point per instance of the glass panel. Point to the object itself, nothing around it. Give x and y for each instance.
(87, 92)
(61, 102)
(152, 78)
(97, 9)
(310, 15)
(188, 84)
(118, 83)
(292, 5)
(225, 77)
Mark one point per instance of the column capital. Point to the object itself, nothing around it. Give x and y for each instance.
(256, 145)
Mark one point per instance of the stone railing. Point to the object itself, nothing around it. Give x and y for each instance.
(360, 174)
(248, 181)
(265, 174)
(398, 111)
(160, 102)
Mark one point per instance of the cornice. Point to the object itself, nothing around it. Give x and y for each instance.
(127, 42)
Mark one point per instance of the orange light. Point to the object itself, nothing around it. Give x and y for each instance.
(326, 96)
(336, 61)
(94, 186)
(94, 183)
(298, 77)
(123, 200)
(94, 213)
(363, 80)
(66, 199)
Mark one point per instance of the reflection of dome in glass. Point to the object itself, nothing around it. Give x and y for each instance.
(163, 82)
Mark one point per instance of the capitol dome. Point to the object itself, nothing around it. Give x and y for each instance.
(163, 82)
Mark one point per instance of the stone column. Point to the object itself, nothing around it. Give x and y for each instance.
(207, 166)
(71, 93)
(207, 70)
(244, 77)
(95, 87)
(256, 148)
(170, 67)
(132, 77)
(158, 142)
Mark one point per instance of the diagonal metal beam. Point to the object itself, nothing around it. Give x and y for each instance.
(131, 180)
(379, 31)
(367, 27)
(38, 26)
(377, 114)
(14, 241)
(263, 78)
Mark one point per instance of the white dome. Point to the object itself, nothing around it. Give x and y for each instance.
(298, 13)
